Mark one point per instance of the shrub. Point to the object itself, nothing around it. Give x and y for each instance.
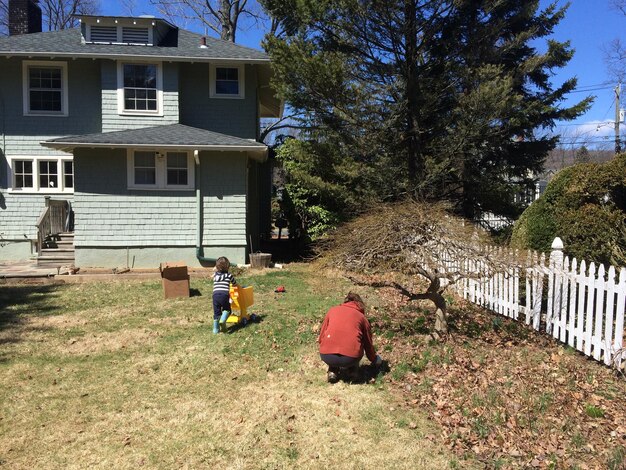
(584, 205)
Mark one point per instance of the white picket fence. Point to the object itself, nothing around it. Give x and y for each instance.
(584, 308)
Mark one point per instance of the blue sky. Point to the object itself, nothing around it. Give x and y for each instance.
(589, 25)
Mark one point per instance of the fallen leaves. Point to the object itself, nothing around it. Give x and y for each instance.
(506, 394)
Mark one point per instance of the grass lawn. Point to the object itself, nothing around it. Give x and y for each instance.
(110, 375)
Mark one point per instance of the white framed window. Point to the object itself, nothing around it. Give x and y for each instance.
(140, 88)
(227, 81)
(118, 34)
(153, 169)
(45, 91)
(42, 174)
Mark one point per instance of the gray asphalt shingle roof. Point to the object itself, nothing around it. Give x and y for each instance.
(68, 43)
(173, 136)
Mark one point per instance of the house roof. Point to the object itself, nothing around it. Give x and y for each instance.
(173, 136)
(180, 45)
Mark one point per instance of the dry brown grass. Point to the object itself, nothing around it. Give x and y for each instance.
(110, 376)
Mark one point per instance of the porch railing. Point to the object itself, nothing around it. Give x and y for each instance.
(53, 220)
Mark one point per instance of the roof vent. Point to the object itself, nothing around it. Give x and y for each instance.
(135, 35)
(203, 42)
(107, 34)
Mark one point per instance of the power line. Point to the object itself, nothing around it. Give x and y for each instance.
(607, 111)
(576, 90)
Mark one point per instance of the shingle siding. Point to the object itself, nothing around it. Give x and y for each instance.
(113, 121)
(236, 117)
(109, 214)
(22, 134)
(19, 214)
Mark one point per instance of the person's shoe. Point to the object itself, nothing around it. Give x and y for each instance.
(216, 327)
(225, 315)
(332, 377)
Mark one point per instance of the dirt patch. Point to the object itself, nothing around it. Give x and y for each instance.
(108, 341)
(55, 321)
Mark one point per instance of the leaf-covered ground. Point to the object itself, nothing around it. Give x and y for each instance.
(509, 396)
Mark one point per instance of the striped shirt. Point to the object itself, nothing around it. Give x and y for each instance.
(222, 282)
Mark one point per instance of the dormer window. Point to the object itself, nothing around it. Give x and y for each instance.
(118, 34)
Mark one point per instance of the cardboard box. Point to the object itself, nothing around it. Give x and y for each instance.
(175, 280)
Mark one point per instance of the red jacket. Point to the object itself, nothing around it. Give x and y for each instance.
(346, 331)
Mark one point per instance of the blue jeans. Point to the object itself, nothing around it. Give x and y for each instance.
(338, 361)
(221, 302)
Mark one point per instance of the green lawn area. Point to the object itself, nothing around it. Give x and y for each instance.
(111, 375)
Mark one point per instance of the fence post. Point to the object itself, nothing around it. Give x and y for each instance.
(554, 283)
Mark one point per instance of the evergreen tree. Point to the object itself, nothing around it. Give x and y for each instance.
(443, 99)
(582, 155)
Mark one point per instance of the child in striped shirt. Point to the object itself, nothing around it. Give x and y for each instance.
(222, 280)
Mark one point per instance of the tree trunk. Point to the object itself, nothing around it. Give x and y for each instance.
(227, 33)
(441, 313)
(414, 167)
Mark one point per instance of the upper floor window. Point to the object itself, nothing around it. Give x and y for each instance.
(45, 88)
(42, 174)
(227, 81)
(160, 170)
(140, 89)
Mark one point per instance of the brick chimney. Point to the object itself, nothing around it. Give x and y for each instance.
(24, 17)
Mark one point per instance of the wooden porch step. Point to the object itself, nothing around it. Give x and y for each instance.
(58, 251)
(54, 262)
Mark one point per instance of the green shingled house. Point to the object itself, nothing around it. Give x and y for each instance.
(129, 140)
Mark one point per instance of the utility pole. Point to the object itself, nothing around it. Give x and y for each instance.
(618, 145)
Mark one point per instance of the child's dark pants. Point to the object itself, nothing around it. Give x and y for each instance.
(221, 302)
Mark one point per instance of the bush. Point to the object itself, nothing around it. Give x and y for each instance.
(584, 205)
(323, 187)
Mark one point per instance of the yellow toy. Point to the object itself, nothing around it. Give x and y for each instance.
(240, 299)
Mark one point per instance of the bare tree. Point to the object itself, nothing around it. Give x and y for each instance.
(398, 245)
(221, 16)
(615, 51)
(56, 14)
(620, 5)
(60, 14)
(615, 59)
(4, 17)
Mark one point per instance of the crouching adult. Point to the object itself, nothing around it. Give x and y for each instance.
(344, 337)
